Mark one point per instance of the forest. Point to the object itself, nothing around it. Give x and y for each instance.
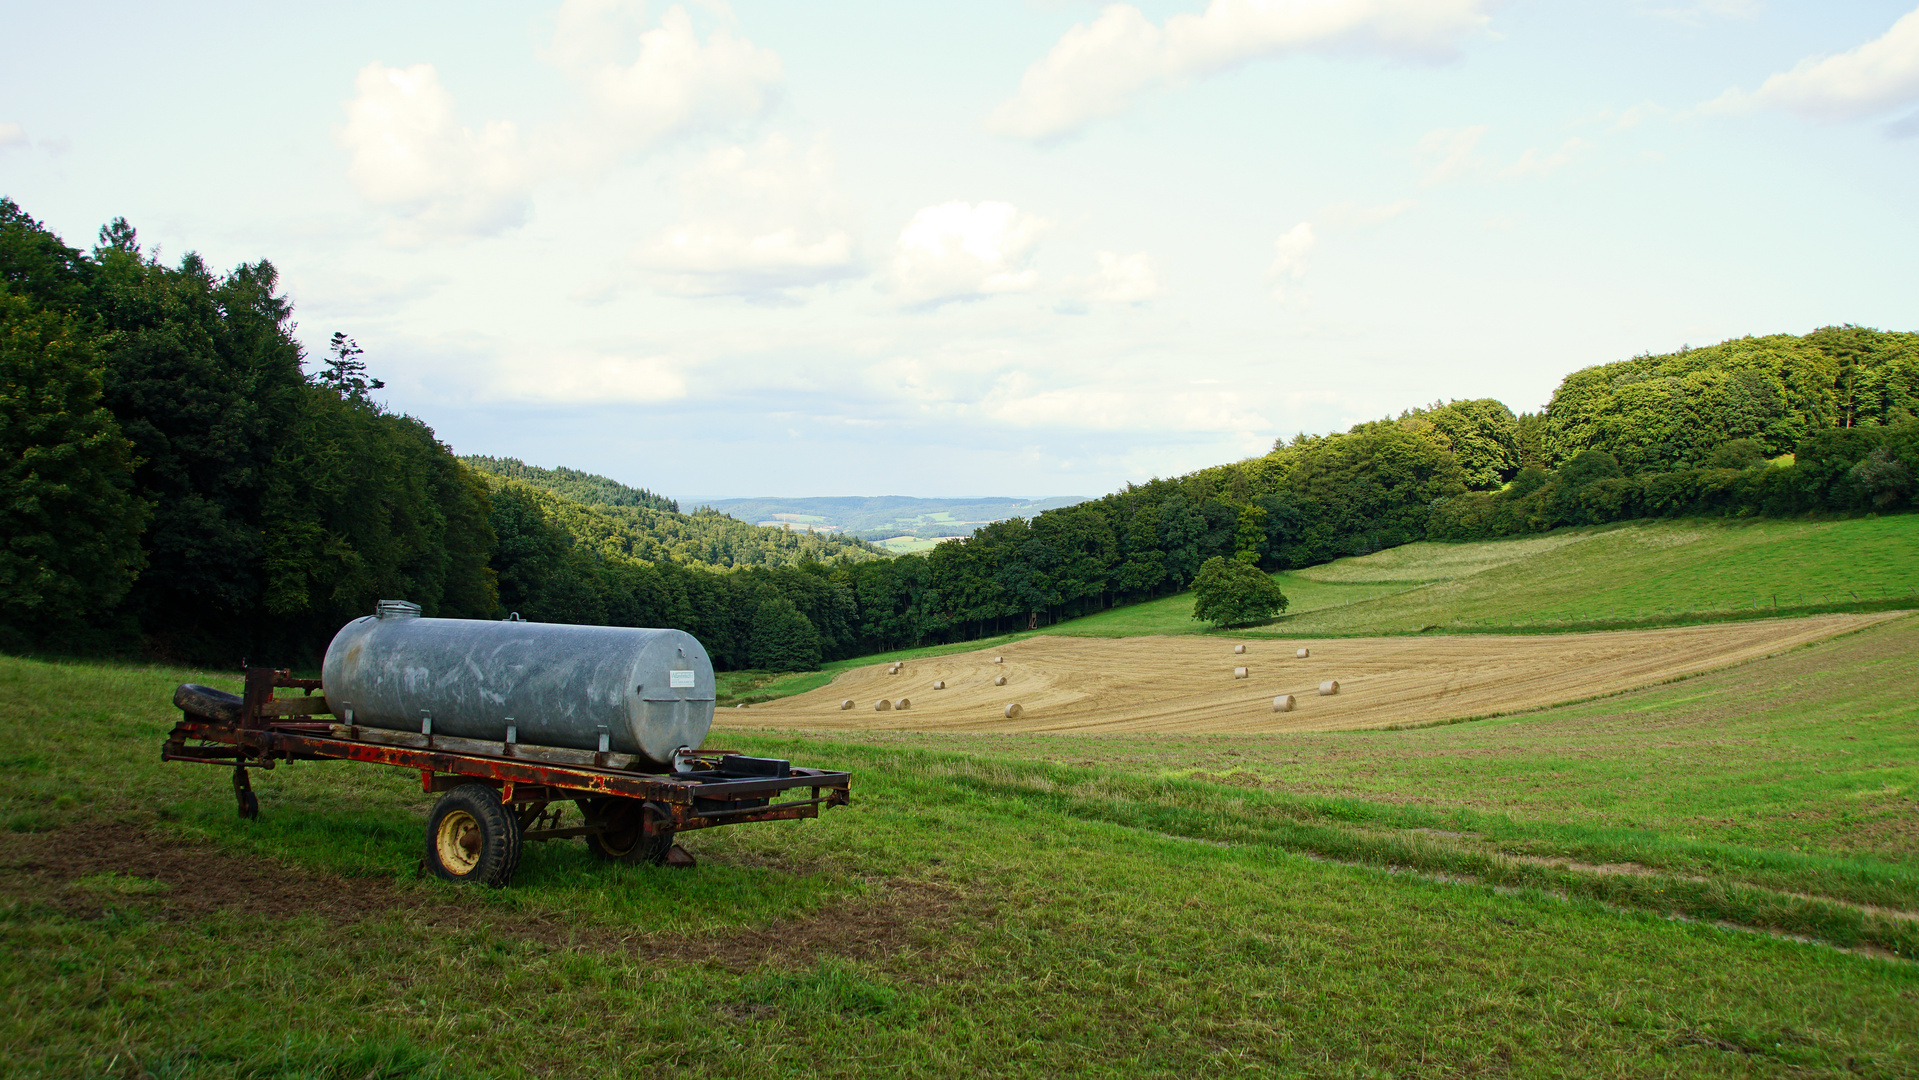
(178, 485)
(611, 519)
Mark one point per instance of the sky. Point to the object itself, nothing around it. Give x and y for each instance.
(1021, 248)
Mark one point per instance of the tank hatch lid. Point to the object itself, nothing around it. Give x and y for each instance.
(397, 609)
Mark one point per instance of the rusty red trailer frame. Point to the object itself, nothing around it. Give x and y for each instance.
(268, 730)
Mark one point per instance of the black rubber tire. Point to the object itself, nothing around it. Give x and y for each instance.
(625, 838)
(471, 837)
(208, 704)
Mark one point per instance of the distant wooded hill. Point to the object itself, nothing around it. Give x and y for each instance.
(883, 517)
(613, 520)
(579, 486)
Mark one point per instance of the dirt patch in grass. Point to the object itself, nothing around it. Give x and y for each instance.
(899, 921)
(85, 871)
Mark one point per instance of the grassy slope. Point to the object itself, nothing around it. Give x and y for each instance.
(1038, 907)
(1646, 572)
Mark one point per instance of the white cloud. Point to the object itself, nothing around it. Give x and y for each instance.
(1097, 69)
(590, 33)
(676, 84)
(760, 222)
(1289, 256)
(1447, 153)
(411, 155)
(1356, 215)
(12, 134)
(1120, 279)
(1534, 163)
(1638, 114)
(1295, 245)
(1877, 77)
(963, 251)
(1017, 399)
(568, 377)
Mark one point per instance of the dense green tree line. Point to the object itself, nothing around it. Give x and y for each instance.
(1844, 470)
(174, 479)
(1671, 412)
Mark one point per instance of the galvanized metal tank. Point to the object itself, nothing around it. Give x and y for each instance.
(599, 688)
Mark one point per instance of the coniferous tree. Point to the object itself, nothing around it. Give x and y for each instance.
(69, 518)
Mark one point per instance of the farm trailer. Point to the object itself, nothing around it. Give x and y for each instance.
(496, 794)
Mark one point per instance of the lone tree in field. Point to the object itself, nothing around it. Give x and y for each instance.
(1229, 592)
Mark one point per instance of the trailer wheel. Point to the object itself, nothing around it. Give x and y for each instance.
(624, 837)
(471, 837)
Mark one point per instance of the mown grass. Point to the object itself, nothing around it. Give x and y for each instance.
(1174, 614)
(1644, 573)
(1637, 575)
(1083, 906)
(749, 687)
(1653, 573)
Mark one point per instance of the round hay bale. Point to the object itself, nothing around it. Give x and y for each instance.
(940, 685)
(894, 670)
(1238, 649)
(1013, 711)
(999, 680)
(1283, 703)
(847, 704)
(883, 705)
(1303, 653)
(741, 705)
(1240, 672)
(903, 703)
(999, 659)
(1329, 688)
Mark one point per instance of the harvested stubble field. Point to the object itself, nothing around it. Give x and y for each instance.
(1186, 684)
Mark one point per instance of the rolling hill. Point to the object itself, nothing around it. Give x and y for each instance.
(902, 523)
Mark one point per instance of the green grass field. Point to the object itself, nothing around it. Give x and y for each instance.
(1710, 878)
(1644, 573)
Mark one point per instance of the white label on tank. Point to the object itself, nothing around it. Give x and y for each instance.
(680, 679)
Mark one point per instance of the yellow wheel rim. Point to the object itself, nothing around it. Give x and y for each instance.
(458, 841)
